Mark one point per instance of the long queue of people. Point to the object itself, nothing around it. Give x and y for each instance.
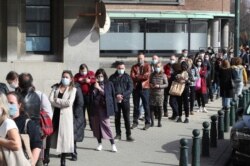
(203, 75)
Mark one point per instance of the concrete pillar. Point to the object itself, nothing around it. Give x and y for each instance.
(225, 33)
(179, 45)
(215, 38)
(135, 28)
(209, 33)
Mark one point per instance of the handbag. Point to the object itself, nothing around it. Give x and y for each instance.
(176, 88)
(198, 84)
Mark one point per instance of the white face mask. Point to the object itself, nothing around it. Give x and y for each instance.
(84, 72)
(13, 85)
(100, 79)
(185, 54)
(172, 61)
(154, 61)
(199, 63)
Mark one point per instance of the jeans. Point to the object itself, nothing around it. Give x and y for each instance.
(142, 94)
(226, 102)
(216, 88)
(123, 107)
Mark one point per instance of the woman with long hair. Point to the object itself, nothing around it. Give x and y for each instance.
(103, 105)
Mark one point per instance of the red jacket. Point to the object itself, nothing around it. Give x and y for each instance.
(85, 86)
(167, 70)
(203, 74)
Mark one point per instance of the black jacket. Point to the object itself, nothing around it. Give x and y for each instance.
(4, 88)
(32, 130)
(78, 115)
(123, 85)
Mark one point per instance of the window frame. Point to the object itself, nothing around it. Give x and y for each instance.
(168, 2)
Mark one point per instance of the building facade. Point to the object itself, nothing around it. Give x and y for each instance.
(165, 26)
(44, 37)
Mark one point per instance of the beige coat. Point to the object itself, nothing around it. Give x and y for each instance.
(63, 141)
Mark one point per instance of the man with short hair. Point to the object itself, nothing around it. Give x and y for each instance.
(12, 79)
(140, 74)
(123, 88)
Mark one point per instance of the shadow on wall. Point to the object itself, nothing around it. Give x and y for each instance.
(81, 29)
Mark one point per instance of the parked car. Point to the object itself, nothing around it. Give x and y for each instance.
(240, 139)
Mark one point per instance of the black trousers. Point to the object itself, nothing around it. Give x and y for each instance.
(165, 102)
(183, 100)
(201, 99)
(192, 97)
(174, 105)
(123, 107)
(158, 111)
(86, 106)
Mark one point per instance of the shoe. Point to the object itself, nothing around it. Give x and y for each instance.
(141, 118)
(117, 138)
(130, 139)
(179, 119)
(134, 125)
(165, 114)
(211, 100)
(199, 110)
(217, 96)
(192, 113)
(152, 124)
(99, 147)
(159, 124)
(172, 118)
(204, 110)
(186, 120)
(146, 127)
(74, 157)
(114, 149)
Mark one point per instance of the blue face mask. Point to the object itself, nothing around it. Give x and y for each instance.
(65, 81)
(158, 69)
(12, 110)
(120, 71)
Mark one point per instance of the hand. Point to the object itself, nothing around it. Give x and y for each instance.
(119, 97)
(97, 86)
(87, 80)
(157, 86)
(80, 79)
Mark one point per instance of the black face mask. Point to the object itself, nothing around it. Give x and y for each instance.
(25, 84)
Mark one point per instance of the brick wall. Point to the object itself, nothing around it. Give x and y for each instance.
(200, 5)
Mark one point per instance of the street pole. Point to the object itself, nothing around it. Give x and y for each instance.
(237, 28)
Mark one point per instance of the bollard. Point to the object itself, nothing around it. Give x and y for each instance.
(213, 131)
(240, 102)
(196, 148)
(183, 152)
(226, 120)
(236, 103)
(220, 125)
(205, 140)
(232, 113)
(248, 92)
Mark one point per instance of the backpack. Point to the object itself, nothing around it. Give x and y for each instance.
(45, 122)
(237, 75)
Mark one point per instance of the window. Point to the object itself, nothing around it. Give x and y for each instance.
(174, 2)
(38, 26)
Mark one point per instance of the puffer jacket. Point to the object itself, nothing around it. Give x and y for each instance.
(4, 88)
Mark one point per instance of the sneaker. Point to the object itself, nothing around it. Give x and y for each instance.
(204, 110)
(159, 124)
(199, 110)
(172, 118)
(179, 119)
(130, 139)
(99, 147)
(134, 125)
(117, 138)
(186, 120)
(146, 127)
(114, 149)
(74, 157)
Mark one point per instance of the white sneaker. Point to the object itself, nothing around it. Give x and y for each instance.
(99, 147)
(199, 110)
(114, 149)
(204, 110)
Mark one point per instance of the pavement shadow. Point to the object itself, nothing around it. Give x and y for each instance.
(174, 148)
(154, 163)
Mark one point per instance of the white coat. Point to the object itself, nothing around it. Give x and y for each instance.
(63, 140)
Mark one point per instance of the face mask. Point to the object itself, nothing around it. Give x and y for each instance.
(120, 71)
(172, 61)
(185, 54)
(12, 110)
(199, 63)
(13, 85)
(65, 81)
(84, 72)
(207, 59)
(158, 69)
(202, 55)
(140, 62)
(154, 61)
(100, 79)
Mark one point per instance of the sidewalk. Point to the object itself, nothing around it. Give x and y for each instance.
(156, 146)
